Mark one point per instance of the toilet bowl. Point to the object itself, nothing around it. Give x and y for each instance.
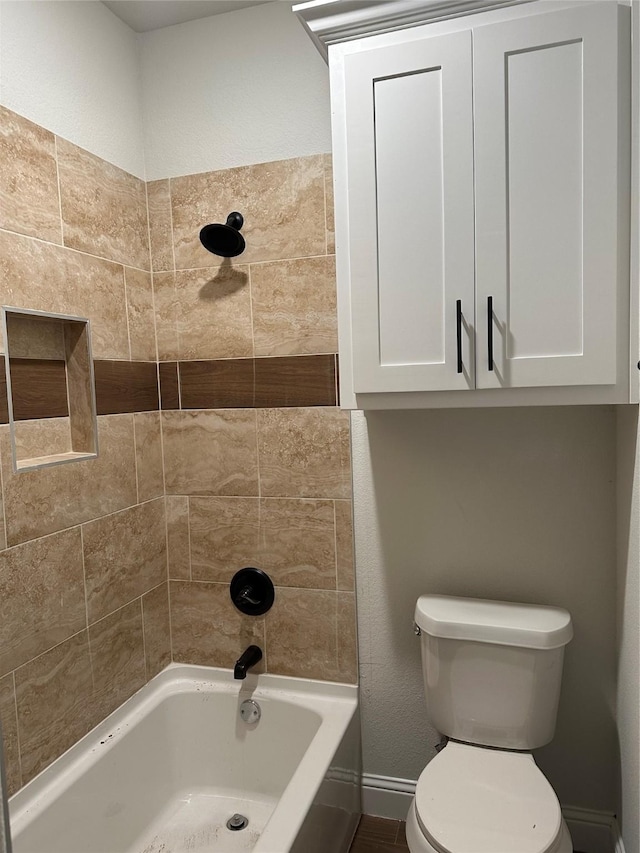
(475, 800)
(492, 672)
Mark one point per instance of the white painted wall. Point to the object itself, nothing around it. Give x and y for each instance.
(72, 67)
(514, 504)
(231, 90)
(628, 694)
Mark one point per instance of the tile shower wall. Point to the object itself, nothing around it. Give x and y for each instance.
(84, 613)
(247, 463)
(256, 454)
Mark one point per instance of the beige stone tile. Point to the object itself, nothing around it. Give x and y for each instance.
(148, 455)
(117, 656)
(104, 209)
(35, 337)
(214, 313)
(10, 734)
(347, 638)
(210, 452)
(29, 202)
(159, 201)
(312, 634)
(157, 629)
(304, 453)
(125, 555)
(68, 283)
(207, 629)
(329, 204)
(302, 634)
(43, 501)
(293, 540)
(344, 545)
(297, 542)
(294, 306)
(41, 597)
(166, 307)
(42, 437)
(282, 204)
(225, 536)
(178, 536)
(140, 315)
(55, 703)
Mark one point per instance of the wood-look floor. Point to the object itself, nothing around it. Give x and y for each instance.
(378, 835)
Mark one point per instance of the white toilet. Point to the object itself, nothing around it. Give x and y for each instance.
(492, 673)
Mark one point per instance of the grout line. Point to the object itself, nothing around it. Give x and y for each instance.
(335, 540)
(212, 268)
(72, 249)
(55, 148)
(126, 308)
(253, 331)
(189, 536)
(4, 511)
(153, 290)
(144, 642)
(51, 648)
(323, 589)
(86, 605)
(170, 621)
(173, 238)
(146, 203)
(80, 524)
(235, 357)
(258, 453)
(84, 580)
(135, 459)
(19, 745)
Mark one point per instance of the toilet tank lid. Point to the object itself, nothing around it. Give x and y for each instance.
(505, 623)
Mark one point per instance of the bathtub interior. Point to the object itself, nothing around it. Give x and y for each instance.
(187, 762)
(164, 771)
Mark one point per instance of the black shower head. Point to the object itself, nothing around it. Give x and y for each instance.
(225, 240)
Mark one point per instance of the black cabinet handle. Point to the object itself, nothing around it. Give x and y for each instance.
(459, 334)
(490, 330)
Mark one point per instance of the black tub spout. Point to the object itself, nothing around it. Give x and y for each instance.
(250, 657)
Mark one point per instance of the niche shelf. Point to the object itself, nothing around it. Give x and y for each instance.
(51, 402)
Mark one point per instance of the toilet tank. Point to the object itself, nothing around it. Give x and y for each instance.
(492, 669)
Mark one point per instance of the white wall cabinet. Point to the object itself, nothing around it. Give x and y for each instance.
(482, 202)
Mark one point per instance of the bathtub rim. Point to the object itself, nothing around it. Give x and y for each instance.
(335, 702)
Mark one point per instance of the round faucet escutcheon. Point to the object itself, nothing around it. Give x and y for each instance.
(252, 591)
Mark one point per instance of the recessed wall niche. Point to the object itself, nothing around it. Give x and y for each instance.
(50, 388)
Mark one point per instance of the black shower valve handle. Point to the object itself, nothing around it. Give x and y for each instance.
(246, 595)
(252, 591)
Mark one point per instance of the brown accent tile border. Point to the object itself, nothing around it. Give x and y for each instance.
(169, 389)
(126, 386)
(274, 382)
(227, 383)
(38, 386)
(295, 381)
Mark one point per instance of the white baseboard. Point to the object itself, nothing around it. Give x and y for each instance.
(385, 796)
(591, 832)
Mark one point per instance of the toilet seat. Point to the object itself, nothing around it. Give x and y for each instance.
(471, 799)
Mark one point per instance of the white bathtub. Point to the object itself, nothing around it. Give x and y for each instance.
(164, 772)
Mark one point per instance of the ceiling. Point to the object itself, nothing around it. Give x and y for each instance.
(145, 15)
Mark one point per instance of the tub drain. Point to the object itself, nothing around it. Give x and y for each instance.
(238, 821)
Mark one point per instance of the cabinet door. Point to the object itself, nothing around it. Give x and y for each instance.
(409, 143)
(546, 146)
